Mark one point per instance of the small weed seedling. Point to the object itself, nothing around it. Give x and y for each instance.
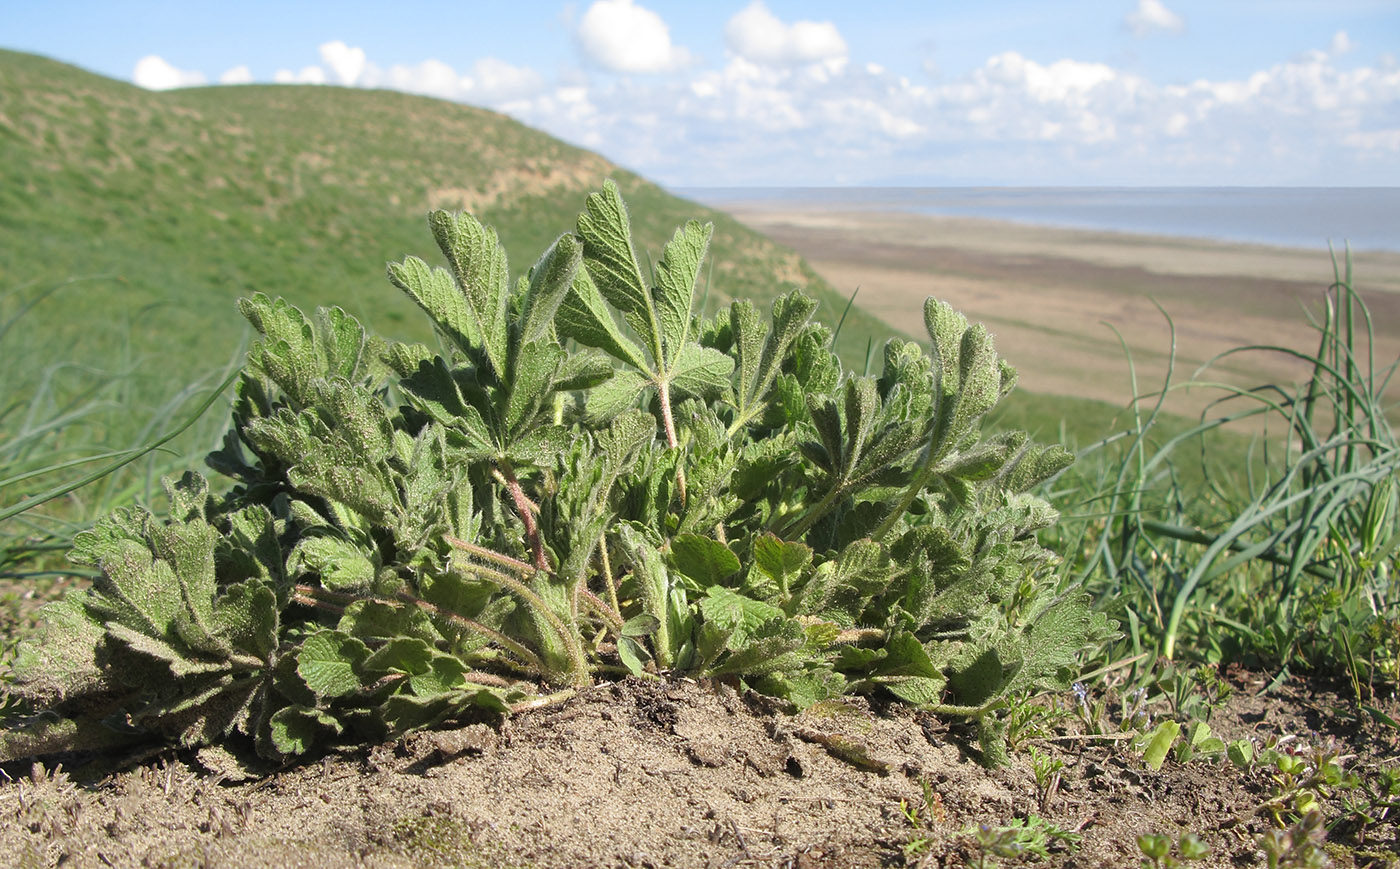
(1304, 775)
(1032, 838)
(923, 819)
(1157, 850)
(1047, 776)
(1298, 847)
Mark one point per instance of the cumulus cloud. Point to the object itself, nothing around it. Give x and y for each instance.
(237, 75)
(620, 36)
(1152, 16)
(306, 75)
(155, 73)
(1341, 44)
(1013, 119)
(489, 81)
(758, 35)
(345, 63)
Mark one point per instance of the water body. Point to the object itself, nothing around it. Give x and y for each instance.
(1367, 218)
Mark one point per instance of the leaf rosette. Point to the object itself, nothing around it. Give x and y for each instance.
(589, 479)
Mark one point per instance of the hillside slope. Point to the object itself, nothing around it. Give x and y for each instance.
(186, 200)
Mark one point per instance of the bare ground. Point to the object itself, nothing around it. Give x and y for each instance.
(1054, 297)
(648, 774)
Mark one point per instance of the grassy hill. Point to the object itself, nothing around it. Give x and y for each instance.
(186, 200)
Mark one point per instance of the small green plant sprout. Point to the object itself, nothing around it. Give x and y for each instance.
(1194, 692)
(1241, 753)
(1303, 776)
(1089, 712)
(1047, 776)
(923, 819)
(1135, 715)
(1157, 742)
(1298, 847)
(1198, 743)
(1377, 801)
(588, 479)
(1026, 720)
(1157, 850)
(1032, 838)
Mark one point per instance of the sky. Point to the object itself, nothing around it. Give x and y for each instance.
(818, 93)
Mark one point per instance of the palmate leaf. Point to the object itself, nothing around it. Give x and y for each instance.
(329, 663)
(296, 351)
(660, 315)
(777, 566)
(705, 560)
(478, 264)
(702, 372)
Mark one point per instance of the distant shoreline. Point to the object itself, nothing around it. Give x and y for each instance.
(1367, 218)
(1050, 295)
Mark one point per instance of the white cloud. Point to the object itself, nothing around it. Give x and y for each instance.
(1152, 16)
(155, 73)
(345, 63)
(1341, 44)
(1056, 82)
(431, 78)
(493, 80)
(490, 81)
(237, 75)
(758, 35)
(306, 75)
(1015, 119)
(622, 37)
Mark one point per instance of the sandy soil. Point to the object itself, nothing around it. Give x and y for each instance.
(1054, 297)
(646, 774)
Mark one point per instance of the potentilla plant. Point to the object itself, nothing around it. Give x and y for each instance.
(589, 480)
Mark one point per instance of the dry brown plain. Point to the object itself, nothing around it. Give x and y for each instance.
(1053, 297)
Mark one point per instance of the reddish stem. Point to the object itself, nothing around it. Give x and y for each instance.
(522, 507)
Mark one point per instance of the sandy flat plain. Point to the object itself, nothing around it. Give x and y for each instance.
(1054, 297)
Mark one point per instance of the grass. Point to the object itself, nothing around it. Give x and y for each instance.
(1264, 533)
(192, 198)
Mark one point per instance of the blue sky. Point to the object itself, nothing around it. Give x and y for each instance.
(764, 92)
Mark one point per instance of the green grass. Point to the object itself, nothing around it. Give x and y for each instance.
(1266, 533)
(190, 199)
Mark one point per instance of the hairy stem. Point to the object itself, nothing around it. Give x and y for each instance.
(608, 579)
(578, 663)
(663, 391)
(916, 485)
(542, 702)
(810, 518)
(524, 508)
(516, 648)
(599, 606)
(490, 555)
